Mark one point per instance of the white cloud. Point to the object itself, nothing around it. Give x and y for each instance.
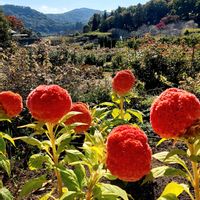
(47, 9)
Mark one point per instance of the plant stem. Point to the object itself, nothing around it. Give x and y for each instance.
(55, 157)
(122, 107)
(195, 182)
(94, 179)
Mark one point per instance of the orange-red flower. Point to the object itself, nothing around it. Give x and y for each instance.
(84, 117)
(123, 82)
(49, 103)
(10, 103)
(173, 112)
(128, 153)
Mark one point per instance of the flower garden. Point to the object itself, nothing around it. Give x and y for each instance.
(81, 150)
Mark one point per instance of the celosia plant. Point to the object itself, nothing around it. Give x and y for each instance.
(49, 103)
(175, 114)
(128, 153)
(123, 82)
(84, 117)
(10, 106)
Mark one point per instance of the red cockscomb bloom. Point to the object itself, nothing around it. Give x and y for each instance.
(10, 103)
(173, 112)
(84, 117)
(128, 153)
(123, 82)
(49, 103)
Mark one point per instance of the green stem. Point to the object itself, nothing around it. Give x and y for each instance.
(55, 157)
(195, 181)
(122, 107)
(94, 180)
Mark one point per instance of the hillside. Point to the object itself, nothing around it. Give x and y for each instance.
(77, 15)
(154, 12)
(50, 24)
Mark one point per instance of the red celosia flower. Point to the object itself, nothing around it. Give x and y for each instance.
(84, 117)
(49, 103)
(128, 153)
(123, 82)
(10, 103)
(173, 112)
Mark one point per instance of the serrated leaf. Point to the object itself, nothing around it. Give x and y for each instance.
(5, 163)
(31, 185)
(30, 140)
(70, 179)
(5, 194)
(107, 190)
(37, 161)
(137, 114)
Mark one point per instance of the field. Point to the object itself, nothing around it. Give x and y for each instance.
(86, 69)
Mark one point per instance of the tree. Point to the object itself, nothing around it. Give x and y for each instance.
(4, 31)
(15, 23)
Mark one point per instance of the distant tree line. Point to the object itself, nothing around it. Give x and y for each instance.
(151, 13)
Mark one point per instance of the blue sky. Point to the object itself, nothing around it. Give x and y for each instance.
(60, 6)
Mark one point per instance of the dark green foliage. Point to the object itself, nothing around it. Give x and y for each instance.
(150, 13)
(4, 31)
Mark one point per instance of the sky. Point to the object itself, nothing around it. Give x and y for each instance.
(60, 6)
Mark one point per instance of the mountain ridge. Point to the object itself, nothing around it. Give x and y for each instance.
(53, 24)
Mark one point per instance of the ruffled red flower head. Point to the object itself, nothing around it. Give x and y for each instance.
(10, 103)
(49, 103)
(173, 112)
(123, 82)
(84, 117)
(128, 153)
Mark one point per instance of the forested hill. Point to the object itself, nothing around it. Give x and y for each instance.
(150, 13)
(50, 23)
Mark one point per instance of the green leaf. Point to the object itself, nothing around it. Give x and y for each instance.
(81, 175)
(115, 98)
(68, 115)
(31, 185)
(5, 194)
(127, 116)
(168, 197)
(109, 176)
(74, 155)
(70, 179)
(48, 195)
(175, 152)
(137, 114)
(5, 163)
(110, 104)
(30, 140)
(107, 191)
(64, 136)
(175, 159)
(160, 141)
(8, 137)
(36, 161)
(173, 188)
(69, 195)
(2, 145)
(115, 112)
(163, 171)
